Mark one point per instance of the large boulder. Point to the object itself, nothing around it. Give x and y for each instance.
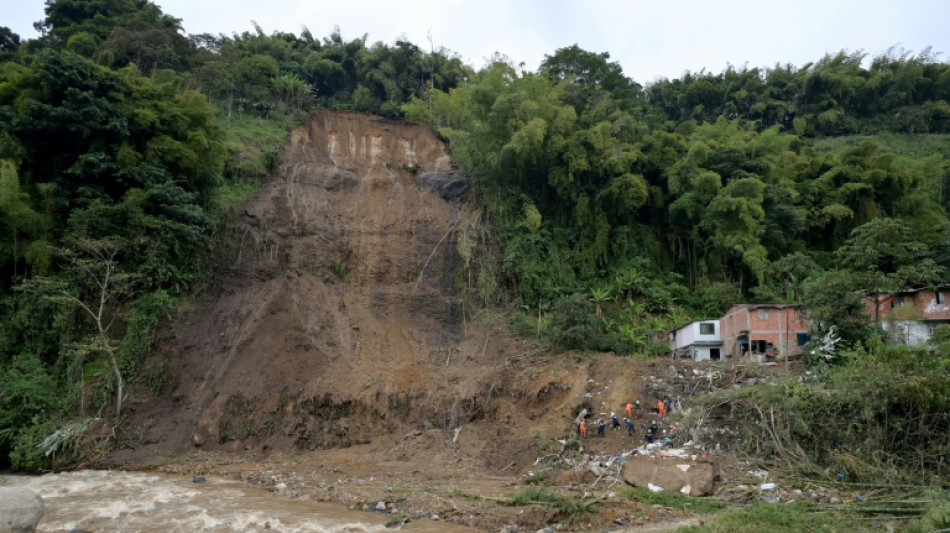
(20, 510)
(451, 186)
(683, 475)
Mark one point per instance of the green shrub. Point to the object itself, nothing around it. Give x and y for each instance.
(25, 452)
(28, 398)
(574, 324)
(570, 510)
(674, 500)
(879, 416)
(775, 518)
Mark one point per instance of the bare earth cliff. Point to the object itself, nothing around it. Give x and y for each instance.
(332, 347)
(336, 298)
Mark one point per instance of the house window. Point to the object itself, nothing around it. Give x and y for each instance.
(898, 301)
(802, 339)
(707, 328)
(940, 298)
(763, 314)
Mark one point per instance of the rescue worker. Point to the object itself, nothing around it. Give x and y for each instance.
(601, 426)
(661, 408)
(614, 421)
(583, 427)
(630, 427)
(628, 410)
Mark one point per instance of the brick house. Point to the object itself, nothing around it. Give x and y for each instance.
(699, 341)
(764, 332)
(909, 317)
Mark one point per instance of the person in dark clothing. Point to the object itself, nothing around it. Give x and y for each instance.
(601, 426)
(630, 426)
(614, 420)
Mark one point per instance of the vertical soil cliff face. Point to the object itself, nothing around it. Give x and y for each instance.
(336, 297)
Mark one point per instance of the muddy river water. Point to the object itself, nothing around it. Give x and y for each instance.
(115, 501)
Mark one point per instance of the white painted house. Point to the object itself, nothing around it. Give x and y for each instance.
(909, 317)
(699, 341)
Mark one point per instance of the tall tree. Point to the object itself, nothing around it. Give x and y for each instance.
(99, 287)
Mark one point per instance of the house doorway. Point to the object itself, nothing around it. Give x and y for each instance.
(714, 354)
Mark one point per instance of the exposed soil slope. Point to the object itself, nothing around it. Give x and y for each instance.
(333, 335)
(335, 320)
(336, 299)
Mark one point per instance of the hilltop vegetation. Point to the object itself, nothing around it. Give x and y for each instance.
(610, 211)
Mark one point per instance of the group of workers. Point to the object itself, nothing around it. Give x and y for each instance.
(630, 409)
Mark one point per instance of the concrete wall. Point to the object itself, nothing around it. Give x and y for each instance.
(690, 341)
(691, 333)
(775, 326)
(908, 332)
(704, 353)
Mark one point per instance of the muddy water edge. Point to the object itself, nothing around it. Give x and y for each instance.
(105, 501)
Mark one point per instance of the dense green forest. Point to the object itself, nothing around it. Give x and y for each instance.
(609, 212)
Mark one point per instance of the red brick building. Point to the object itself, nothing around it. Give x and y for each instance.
(764, 331)
(909, 317)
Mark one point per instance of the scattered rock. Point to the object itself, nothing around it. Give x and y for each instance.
(198, 479)
(20, 510)
(381, 506)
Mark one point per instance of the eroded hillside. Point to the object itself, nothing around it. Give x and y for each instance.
(333, 335)
(336, 296)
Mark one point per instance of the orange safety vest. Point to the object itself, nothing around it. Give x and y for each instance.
(661, 407)
(628, 409)
(583, 427)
